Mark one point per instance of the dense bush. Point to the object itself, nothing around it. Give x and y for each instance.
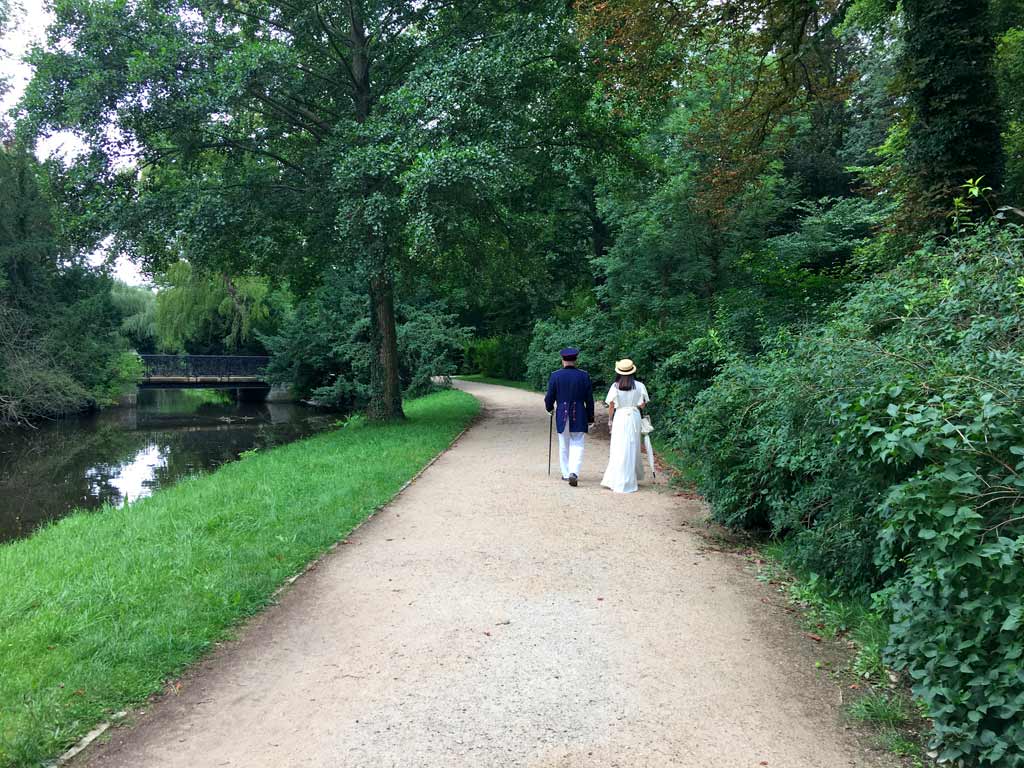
(586, 333)
(32, 385)
(49, 367)
(429, 340)
(500, 357)
(889, 444)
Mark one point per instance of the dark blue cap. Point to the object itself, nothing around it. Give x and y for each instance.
(570, 353)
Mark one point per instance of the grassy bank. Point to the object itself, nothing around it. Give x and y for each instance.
(479, 377)
(100, 609)
(874, 695)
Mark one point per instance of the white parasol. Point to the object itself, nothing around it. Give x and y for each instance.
(650, 454)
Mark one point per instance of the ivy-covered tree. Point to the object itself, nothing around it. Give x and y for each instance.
(948, 68)
(1010, 75)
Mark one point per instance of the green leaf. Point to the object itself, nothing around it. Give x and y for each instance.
(1013, 621)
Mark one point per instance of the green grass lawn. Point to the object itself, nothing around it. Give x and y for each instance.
(98, 610)
(500, 382)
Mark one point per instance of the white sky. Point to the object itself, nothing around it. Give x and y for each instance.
(29, 26)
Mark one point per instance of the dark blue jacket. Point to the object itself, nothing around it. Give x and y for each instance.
(572, 390)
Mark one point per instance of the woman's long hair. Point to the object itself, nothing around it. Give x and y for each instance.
(624, 383)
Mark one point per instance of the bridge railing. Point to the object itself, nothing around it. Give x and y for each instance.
(203, 366)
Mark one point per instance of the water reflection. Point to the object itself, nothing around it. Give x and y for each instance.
(131, 480)
(126, 453)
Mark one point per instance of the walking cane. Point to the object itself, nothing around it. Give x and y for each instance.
(551, 422)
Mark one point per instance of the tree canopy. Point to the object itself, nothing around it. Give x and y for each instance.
(286, 139)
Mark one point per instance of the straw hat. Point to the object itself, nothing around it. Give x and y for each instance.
(625, 367)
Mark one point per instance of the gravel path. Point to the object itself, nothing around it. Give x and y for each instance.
(492, 616)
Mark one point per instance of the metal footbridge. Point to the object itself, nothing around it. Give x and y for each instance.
(204, 372)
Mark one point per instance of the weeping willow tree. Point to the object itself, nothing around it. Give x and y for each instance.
(203, 312)
(137, 306)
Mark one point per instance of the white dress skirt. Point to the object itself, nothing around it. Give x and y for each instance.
(625, 463)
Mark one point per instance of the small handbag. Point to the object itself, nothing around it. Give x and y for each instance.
(645, 425)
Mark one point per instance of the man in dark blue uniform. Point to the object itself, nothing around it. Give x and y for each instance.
(571, 391)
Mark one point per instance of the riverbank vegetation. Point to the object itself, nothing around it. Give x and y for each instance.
(61, 349)
(121, 600)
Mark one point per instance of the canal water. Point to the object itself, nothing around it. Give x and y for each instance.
(125, 453)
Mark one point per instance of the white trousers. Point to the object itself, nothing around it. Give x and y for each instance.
(570, 452)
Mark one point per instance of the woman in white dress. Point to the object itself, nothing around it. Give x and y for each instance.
(625, 400)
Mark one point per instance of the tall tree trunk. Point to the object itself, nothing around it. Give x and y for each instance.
(386, 395)
(600, 239)
(955, 126)
(386, 401)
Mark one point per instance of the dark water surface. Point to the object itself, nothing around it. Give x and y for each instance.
(126, 453)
